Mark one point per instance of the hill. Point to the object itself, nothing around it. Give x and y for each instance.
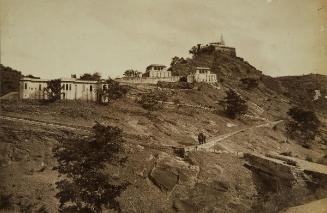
(215, 177)
(308, 90)
(9, 80)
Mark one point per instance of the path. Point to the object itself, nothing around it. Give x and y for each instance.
(215, 140)
(44, 123)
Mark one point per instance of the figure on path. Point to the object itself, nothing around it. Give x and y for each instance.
(201, 138)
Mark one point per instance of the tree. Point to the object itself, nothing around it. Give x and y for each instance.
(303, 124)
(151, 100)
(53, 90)
(234, 105)
(91, 77)
(132, 73)
(85, 185)
(250, 83)
(175, 60)
(111, 90)
(183, 79)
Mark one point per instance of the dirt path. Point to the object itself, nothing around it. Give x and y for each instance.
(215, 140)
(44, 123)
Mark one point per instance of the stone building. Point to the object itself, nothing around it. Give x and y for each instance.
(214, 46)
(71, 89)
(202, 74)
(157, 71)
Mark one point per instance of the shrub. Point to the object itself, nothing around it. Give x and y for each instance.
(6, 202)
(91, 77)
(250, 83)
(183, 79)
(302, 125)
(112, 91)
(85, 186)
(151, 100)
(233, 104)
(53, 90)
(175, 85)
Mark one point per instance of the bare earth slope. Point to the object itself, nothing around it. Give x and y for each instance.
(212, 179)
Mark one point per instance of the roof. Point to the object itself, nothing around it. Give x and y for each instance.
(34, 79)
(156, 65)
(62, 80)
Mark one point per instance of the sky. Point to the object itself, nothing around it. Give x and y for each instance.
(52, 39)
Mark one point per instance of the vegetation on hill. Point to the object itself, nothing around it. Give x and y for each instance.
(234, 105)
(85, 187)
(304, 124)
(151, 100)
(112, 91)
(132, 73)
(302, 90)
(9, 80)
(224, 65)
(91, 77)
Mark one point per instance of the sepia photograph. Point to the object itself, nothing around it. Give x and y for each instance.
(163, 106)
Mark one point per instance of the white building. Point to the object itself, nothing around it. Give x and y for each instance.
(157, 71)
(202, 74)
(71, 89)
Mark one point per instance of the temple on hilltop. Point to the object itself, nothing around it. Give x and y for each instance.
(213, 47)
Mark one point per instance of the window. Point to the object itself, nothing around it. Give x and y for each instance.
(70, 86)
(104, 87)
(39, 86)
(91, 88)
(66, 86)
(63, 88)
(25, 85)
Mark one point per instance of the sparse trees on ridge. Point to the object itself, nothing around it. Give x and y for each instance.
(91, 77)
(132, 73)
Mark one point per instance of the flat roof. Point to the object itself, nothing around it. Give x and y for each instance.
(62, 80)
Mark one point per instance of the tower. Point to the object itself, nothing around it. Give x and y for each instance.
(222, 42)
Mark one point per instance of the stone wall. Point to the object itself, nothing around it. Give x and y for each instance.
(148, 80)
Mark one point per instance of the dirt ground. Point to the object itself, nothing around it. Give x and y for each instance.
(160, 180)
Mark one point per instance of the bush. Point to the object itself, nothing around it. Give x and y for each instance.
(6, 202)
(234, 105)
(175, 85)
(183, 79)
(250, 83)
(302, 125)
(151, 100)
(82, 161)
(53, 90)
(112, 91)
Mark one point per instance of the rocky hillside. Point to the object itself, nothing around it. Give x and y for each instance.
(309, 90)
(211, 178)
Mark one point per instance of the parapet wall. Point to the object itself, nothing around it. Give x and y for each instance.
(148, 80)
